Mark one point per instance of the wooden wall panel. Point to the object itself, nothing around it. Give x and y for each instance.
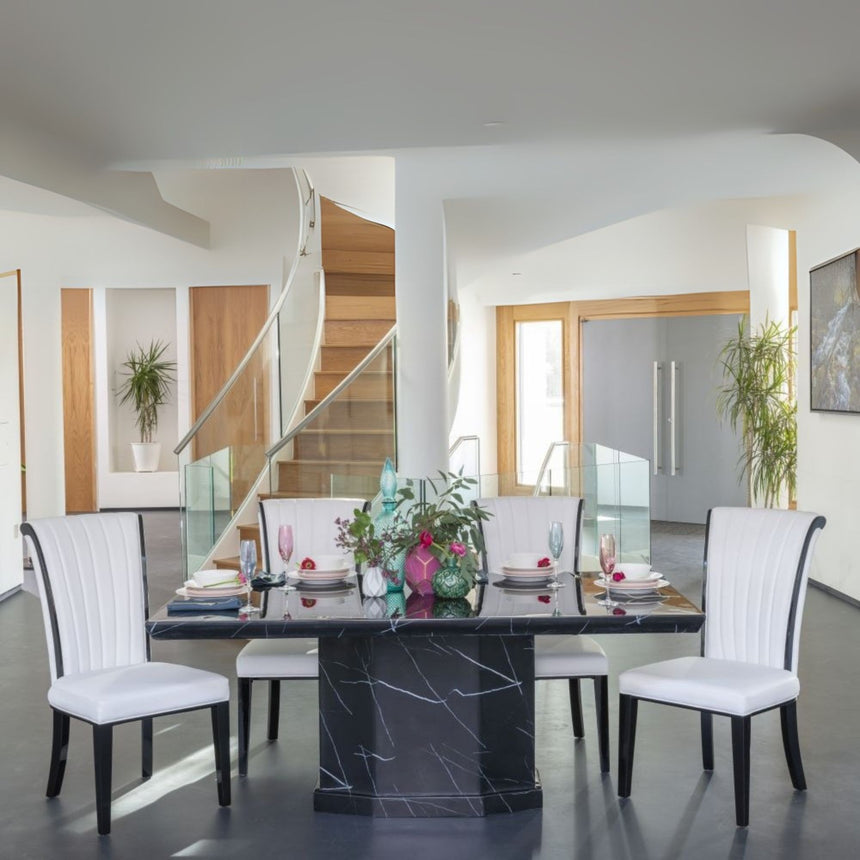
(78, 397)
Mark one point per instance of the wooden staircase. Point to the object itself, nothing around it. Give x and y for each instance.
(356, 433)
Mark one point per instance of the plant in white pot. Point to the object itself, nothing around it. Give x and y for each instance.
(148, 378)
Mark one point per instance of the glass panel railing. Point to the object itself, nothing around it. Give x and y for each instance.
(223, 457)
(340, 446)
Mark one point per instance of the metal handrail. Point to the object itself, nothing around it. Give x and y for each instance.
(545, 463)
(461, 439)
(301, 246)
(333, 394)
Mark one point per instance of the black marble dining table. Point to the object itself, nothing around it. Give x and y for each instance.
(426, 706)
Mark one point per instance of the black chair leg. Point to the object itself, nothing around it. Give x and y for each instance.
(244, 724)
(628, 708)
(221, 741)
(59, 752)
(707, 719)
(274, 708)
(102, 757)
(146, 747)
(741, 756)
(601, 702)
(791, 744)
(576, 707)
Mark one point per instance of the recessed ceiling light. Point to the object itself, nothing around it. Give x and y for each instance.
(493, 123)
(516, 274)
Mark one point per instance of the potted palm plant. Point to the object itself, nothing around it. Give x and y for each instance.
(757, 399)
(148, 378)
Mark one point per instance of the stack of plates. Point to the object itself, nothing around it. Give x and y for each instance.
(634, 587)
(526, 571)
(329, 571)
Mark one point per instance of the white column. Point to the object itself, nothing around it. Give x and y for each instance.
(767, 264)
(422, 399)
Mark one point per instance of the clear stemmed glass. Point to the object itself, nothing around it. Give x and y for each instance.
(248, 566)
(556, 545)
(607, 565)
(285, 548)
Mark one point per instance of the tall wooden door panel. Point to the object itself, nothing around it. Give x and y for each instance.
(224, 323)
(78, 395)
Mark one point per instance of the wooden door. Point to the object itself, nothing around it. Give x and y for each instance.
(78, 400)
(224, 323)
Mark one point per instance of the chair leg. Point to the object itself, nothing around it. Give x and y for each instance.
(221, 742)
(628, 708)
(707, 719)
(146, 747)
(244, 724)
(791, 744)
(59, 752)
(274, 708)
(102, 756)
(601, 702)
(741, 757)
(576, 707)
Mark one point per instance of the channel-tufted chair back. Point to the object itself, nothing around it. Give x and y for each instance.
(313, 522)
(90, 572)
(521, 524)
(757, 565)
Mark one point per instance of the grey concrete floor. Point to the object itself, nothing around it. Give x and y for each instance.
(676, 810)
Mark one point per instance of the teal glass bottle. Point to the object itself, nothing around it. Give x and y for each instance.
(394, 573)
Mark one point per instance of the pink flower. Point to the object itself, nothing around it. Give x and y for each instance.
(618, 576)
(426, 538)
(544, 562)
(458, 549)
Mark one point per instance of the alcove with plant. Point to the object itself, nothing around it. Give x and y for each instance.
(757, 398)
(147, 384)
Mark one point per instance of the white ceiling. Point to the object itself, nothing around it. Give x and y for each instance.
(608, 109)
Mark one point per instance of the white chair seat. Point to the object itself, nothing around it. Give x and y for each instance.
(134, 692)
(722, 686)
(278, 658)
(569, 657)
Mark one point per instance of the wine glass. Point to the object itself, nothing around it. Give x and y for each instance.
(285, 548)
(556, 545)
(607, 565)
(248, 566)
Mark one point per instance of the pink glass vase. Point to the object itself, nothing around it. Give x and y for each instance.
(420, 566)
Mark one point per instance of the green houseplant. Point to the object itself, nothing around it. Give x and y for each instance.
(148, 379)
(756, 398)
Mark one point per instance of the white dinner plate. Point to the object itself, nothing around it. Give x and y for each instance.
(190, 590)
(322, 577)
(533, 577)
(515, 567)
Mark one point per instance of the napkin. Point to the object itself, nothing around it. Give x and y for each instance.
(204, 604)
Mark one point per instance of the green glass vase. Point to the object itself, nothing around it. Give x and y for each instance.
(450, 581)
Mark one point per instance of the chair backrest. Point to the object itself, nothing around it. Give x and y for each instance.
(313, 522)
(521, 524)
(91, 576)
(756, 570)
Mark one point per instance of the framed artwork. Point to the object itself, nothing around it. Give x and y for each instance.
(834, 332)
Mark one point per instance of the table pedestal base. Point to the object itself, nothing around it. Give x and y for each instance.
(426, 726)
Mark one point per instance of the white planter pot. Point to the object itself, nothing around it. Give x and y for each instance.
(373, 583)
(146, 456)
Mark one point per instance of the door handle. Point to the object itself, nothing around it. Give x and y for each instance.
(673, 418)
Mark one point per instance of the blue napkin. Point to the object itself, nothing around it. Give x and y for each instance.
(204, 604)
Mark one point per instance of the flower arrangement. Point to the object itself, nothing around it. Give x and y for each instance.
(360, 536)
(448, 527)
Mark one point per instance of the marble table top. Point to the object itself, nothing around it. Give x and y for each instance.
(495, 607)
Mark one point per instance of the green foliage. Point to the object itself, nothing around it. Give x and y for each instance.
(447, 521)
(148, 378)
(755, 398)
(360, 537)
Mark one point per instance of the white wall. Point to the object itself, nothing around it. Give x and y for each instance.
(253, 216)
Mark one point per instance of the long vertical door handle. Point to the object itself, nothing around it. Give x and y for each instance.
(673, 418)
(658, 369)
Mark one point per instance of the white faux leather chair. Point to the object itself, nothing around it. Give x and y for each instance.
(91, 575)
(521, 524)
(276, 660)
(756, 569)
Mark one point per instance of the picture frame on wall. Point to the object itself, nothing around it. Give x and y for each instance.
(834, 335)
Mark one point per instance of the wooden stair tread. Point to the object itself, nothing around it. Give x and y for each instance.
(347, 431)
